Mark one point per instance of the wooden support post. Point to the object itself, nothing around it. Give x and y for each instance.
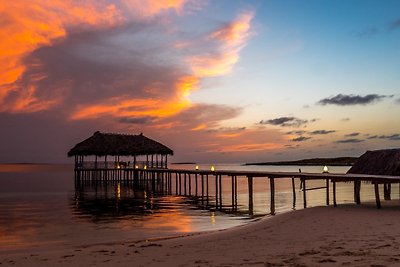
(378, 201)
(233, 193)
(184, 182)
(304, 192)
(216, 191)
(272, 190)
(207, 188)
(220, 190)
(334, 192)
(250, 189)
(202, 187)
(176, 183)
(190, 184)
(357, 188)
(294, 193)
(180, 184)
(195, 177)
(327, 191)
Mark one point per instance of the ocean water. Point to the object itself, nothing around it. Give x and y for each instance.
(41, 207)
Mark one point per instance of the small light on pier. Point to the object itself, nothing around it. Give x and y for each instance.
(145, 167)
(212, 168)
(137, 167)
(325, 170)
(197, 167)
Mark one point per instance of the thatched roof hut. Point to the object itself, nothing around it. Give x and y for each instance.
(378, 162)
(103, 144)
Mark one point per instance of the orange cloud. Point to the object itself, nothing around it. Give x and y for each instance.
(29, 25)
(251, 147)
(230, 39)
(126, 106)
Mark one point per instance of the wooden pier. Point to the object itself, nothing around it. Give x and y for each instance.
(198, 182)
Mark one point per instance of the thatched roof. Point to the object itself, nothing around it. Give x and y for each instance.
(378, 162)
(101, 144)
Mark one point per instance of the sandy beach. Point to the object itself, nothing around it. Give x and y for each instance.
(348, 235)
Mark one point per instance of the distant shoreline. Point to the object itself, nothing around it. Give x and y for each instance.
(340, 161)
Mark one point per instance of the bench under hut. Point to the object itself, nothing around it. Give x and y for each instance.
(152, 153)
(377, 162)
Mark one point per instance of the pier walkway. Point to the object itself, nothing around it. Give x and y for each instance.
(198, 182)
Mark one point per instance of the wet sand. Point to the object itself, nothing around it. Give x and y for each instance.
(348, 235)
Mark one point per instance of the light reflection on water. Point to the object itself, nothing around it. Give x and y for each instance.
(41, 206)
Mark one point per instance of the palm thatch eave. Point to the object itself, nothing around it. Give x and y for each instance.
(378, 162)
(102, 144)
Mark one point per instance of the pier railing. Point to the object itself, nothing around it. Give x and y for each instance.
(187, 182)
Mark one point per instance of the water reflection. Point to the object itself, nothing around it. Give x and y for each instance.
(99, 201)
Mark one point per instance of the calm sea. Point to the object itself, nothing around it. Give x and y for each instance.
(41, 207)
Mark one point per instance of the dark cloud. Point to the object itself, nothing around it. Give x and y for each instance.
(301, 139)
(95, 67)
(137, 120)
(345, 119)
(394, 137)
(285, 122)
(228, 129)
(395, 24)
(348, 141)
(204, 114)
(300, 132)
(352, 134)
(348, 100)
(322, 132)
(367, 32)
(292, 146)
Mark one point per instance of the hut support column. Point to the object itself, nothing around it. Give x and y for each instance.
(166, 161)
(387, 191)
(378, 201)
(357, 188)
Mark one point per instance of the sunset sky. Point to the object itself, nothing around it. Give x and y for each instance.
(217, 81)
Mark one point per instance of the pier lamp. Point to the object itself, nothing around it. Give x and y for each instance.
(145, 167)
(197, 167)
(325, 170)
(212, 168)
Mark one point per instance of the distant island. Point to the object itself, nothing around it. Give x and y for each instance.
(341, 161)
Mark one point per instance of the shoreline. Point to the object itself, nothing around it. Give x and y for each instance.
(346, 235)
